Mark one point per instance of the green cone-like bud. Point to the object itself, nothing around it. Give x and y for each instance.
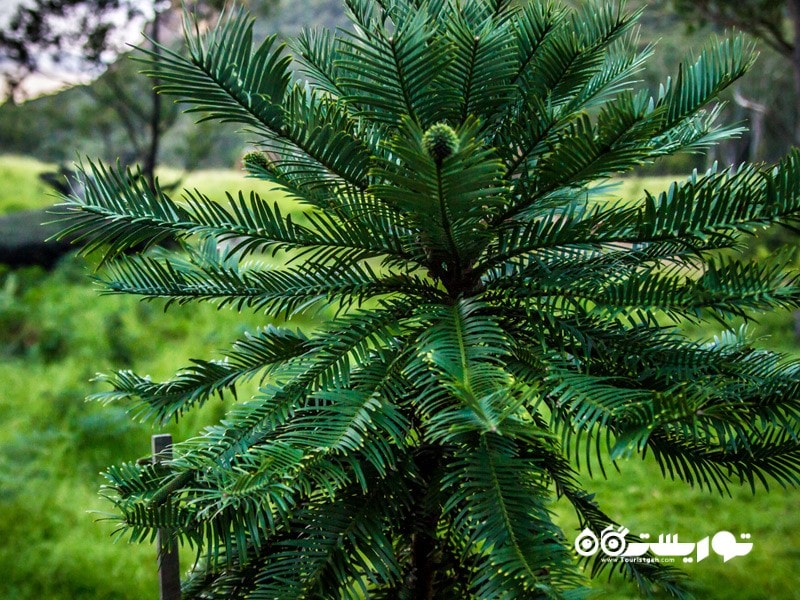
(256, 159)
(440, 141)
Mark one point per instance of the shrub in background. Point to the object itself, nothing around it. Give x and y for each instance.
(490, 321)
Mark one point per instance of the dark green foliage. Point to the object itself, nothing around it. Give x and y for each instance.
(492, 321)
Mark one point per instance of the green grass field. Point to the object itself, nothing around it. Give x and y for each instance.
(20, 187)
(56, 332)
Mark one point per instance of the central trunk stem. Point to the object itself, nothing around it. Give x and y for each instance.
(424, 545)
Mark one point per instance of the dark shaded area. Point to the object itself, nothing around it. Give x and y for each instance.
(26, 236)
(24, 239)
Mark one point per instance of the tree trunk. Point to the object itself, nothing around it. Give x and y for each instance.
(794, 14)
(757, 113)
(151, 158)
(424, 544)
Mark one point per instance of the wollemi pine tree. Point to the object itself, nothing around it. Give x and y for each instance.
(490, 321)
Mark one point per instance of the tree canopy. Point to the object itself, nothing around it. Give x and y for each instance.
(68, 36)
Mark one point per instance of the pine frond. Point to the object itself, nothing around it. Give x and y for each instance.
(119, 211)
(713, 468)
(719, 65)
(494, 501)
(484, 63)
(447, 202)
(387, 75)
(225, 80)
(317, 51)
(725, 289)
(222, 76)
(284, 292)
(194, 385)
(647, 575)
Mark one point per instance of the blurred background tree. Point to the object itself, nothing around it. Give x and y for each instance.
(776, 25)
(59, 43)
(51, 44)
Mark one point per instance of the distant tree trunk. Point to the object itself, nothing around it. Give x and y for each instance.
(794, 13)
(151, 158)
(757, 113)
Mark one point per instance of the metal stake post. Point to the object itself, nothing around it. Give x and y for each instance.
(169, 576)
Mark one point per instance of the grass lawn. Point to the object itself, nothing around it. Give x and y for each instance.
(639, 498)
(20, 186)
(56, 333)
